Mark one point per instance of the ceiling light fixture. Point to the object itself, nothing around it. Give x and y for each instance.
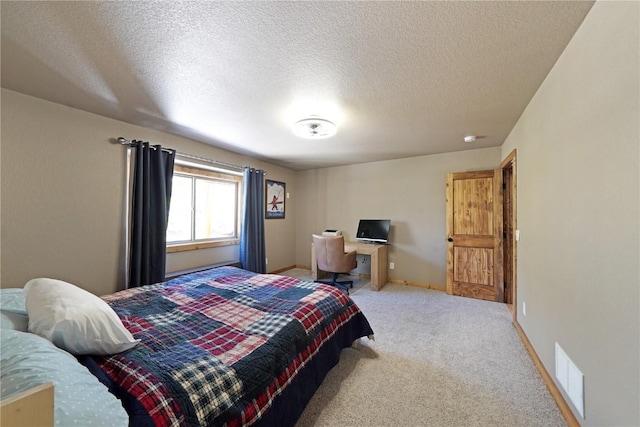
(469, 138)
(314, 128)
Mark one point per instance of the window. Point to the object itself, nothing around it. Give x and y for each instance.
(204, 210)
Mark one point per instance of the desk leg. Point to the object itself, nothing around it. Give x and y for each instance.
(382, 267)
(378, 268)
(375, 272)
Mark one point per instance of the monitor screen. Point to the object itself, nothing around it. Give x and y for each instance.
(373, 230)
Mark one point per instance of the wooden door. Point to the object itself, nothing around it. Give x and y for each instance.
(474, 235)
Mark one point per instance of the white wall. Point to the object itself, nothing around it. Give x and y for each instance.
(410, 192)
(62, 197)
(579, 210)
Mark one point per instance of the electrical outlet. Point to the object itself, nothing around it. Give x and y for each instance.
(392, 265)
(266, 260)
(524, 308)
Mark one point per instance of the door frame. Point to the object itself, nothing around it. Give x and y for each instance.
(509, 220)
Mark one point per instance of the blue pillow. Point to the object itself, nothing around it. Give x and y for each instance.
(13, 314)
(12, 300)
(17, 322)
(28, 360)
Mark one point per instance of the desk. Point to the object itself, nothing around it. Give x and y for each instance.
(378, 255)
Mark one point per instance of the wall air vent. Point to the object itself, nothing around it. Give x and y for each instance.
(571, 379)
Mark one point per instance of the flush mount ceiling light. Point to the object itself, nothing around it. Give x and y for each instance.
(314, 128)
(469, 138)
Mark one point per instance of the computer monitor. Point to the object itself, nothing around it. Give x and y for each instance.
(373, 230)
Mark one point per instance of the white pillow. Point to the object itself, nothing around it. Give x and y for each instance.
(74, 319)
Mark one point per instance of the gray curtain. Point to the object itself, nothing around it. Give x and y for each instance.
(153, 174)
(252, 240)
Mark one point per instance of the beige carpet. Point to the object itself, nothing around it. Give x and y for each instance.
(437, 360)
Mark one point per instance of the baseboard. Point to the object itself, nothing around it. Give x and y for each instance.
(368, 276)
(280, 270)
(419, 285)
(551, 385)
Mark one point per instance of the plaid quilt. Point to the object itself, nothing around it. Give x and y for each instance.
(217, 347)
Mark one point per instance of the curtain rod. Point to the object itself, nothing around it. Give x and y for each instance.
(124, 141)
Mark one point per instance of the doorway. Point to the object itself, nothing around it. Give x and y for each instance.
(510, 234)
(482, 233)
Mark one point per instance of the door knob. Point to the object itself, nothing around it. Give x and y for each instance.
(450, 239)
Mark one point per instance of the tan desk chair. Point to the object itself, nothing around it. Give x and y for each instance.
(332, 259)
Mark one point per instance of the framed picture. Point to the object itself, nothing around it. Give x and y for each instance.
(275, 194)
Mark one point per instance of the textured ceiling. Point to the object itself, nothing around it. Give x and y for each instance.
(400, 79)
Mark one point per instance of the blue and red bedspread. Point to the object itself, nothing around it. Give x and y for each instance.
(227, 347)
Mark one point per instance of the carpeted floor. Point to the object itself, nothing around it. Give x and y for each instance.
(437, 360)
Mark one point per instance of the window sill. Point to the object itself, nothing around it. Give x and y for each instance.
(201, 245)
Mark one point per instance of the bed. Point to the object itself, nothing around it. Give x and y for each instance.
(220, 347)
